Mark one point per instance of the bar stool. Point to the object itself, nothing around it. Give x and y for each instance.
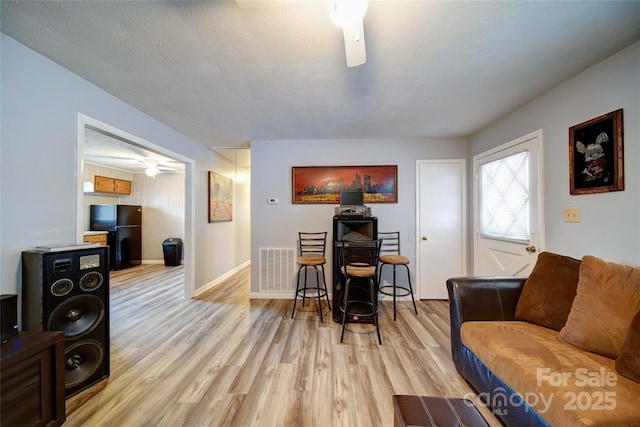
(359, 260)
(311, 250)
(390, 255)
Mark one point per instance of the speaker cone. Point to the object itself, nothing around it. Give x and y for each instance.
(61, 287)
(77, 315)
(81, 361)
(91, 281)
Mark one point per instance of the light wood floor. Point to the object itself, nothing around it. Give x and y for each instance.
(223, 359)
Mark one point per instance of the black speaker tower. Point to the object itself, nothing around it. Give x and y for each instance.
(69, 291)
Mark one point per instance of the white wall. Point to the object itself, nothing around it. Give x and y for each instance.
(610, 226)
(271, 162)
(40, 103)
(162, 199)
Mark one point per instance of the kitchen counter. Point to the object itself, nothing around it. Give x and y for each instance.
(95, 237)
(94, 233)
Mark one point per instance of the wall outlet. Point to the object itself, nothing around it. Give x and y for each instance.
(272, 200)
(572, 215)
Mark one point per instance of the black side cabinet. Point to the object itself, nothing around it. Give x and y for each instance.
(32, 380)
(348, 229)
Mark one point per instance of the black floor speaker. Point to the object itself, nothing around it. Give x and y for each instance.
(69, 291)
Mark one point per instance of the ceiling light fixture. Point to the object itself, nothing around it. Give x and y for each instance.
(347, 13)
(152, 168)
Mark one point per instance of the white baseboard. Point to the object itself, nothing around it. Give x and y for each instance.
(382, 297)
(277, 295)
(289, 295)
(271, 295)
(220, 279)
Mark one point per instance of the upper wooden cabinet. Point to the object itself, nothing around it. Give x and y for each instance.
(103, 184)
(122, 186)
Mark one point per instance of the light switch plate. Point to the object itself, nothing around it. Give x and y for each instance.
(272, 200)
(572, 215)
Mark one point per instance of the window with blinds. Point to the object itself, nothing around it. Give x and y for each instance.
(504, 198)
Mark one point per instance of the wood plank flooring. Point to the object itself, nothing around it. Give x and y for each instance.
(225, 360)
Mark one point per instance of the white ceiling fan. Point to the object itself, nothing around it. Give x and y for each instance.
(347, 14)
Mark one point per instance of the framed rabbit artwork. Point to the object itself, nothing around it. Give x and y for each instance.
(596, 160)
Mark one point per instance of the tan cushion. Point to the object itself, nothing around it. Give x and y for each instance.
(311, 260)
(628, 363)
(607, 299)
(533, 362)
(361, 271)
(549, 291)
(394, 259)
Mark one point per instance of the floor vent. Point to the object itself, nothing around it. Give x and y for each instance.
(277, 269)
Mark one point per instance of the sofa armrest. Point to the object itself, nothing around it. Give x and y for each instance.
(480, 298)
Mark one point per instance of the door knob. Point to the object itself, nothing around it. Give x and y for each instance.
(424, 237)
(531, 249)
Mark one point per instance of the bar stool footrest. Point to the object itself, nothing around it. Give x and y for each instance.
(405, 292)
(311, 292)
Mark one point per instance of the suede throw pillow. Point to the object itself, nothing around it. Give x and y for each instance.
(607, 299)
(549, 291)
(628, 363)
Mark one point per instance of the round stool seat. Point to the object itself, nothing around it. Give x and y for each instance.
(311, 260)
(356, 271)
(394, 259)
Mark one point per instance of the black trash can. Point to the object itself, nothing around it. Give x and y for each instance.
(172, 249)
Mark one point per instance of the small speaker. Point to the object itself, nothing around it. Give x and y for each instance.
(9, 316)
(68, 291)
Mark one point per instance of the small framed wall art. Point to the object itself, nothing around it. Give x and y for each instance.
(596, 160)
(220, 198)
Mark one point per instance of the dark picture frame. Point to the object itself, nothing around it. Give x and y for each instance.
(596, 158)
(323, 184)
(220, 198)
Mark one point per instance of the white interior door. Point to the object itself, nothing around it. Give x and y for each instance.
(508, 223)
(442, 236)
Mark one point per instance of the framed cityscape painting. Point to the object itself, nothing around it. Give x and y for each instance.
(596, 162)
(220, 198)
(323, 184)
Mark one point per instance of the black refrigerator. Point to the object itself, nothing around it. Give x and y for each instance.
(124, 226)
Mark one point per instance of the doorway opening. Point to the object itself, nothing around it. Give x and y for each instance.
(168, 159)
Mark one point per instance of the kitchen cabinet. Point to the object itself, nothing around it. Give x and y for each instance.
(104, 184)
(122, 186)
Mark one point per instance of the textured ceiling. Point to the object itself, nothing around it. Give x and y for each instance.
(110, 151)
(224, 76)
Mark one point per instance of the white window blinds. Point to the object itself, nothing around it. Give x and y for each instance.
(504, 186)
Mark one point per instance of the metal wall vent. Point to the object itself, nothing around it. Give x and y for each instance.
(277, 269)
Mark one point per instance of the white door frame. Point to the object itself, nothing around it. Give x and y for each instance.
(189, 224)
(463, 203)
(539, 226)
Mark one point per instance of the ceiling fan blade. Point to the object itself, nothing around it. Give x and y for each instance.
(354, 47)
